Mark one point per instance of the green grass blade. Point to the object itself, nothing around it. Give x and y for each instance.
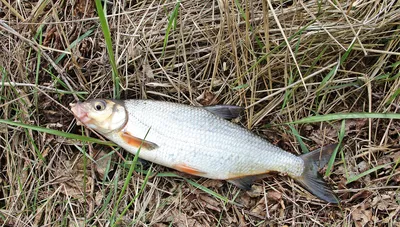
(197, 185)
(107, 38)
(85, 154)
(397, 162)
(3, 74)
(303, 146)
(168, 174)
(341, 116)
(209, 191)
(329, 167)
(146, 179)
(243, 15)
(315, 61)
(56, 132)
(333, 72)
(242, 86)
(35, 147)
(355, 178)
(171, 21)
(127, 181)
(393, 97)
(344, 163)
(38, 67)
(328, 77)
(62, 56)
(125, 186)
(73, 44)
(288, 92)
(346, 54)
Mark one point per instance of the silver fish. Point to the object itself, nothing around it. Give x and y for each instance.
(200, 141)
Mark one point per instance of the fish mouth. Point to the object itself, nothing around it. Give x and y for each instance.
(80, 113)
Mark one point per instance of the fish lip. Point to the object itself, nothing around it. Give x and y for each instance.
(80, 114)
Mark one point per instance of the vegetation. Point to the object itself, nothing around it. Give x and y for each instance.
(309, 73)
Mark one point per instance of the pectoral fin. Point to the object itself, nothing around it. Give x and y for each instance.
(137, 142)
(225, 111)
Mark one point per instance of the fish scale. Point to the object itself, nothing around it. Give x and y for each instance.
(181, 132)
(200, 141)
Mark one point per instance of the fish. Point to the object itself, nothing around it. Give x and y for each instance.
(201, 141)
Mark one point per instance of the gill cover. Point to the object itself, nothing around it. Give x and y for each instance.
(102, 115)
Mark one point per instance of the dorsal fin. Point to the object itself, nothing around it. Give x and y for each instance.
(228, 112)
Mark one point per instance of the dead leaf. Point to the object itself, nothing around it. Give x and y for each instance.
(256, 190)
(98, 198)
(274, 195)
(396, 178)
(159, 225)
(181, 220)
(76, 190)
(394, 214)
(361, 215)
(148, 71)
(102, 161)
(77, 222)
(38, 216)
(382, 202)
(86, 48)
(50, 33)
(245, 200)
(210, 203)
(328, 131)
(74, 178)
(213, 183)
(242, 222)
(135, 51)
(362, 166)
(84, 7)
(360, 195)
(395, 156)
(259, 210)
(207, 98)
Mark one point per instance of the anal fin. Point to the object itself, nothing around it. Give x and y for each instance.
(244, 183)
(137, 142)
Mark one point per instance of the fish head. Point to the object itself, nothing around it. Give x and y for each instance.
(102, 115)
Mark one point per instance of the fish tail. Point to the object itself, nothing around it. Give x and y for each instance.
(311, 179)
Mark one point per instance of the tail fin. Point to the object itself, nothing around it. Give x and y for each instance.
(311, 179)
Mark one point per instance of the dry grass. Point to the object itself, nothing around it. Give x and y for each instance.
(282, 60)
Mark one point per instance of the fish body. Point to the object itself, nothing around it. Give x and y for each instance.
(194, 140)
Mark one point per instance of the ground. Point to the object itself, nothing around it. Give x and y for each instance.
(332, 64)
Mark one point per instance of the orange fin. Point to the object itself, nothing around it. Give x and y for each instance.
(187, 169)
(137, 142)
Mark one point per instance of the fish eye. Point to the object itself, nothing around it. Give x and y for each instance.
(100, 105)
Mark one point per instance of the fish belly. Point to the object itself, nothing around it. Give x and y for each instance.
(195, 138)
